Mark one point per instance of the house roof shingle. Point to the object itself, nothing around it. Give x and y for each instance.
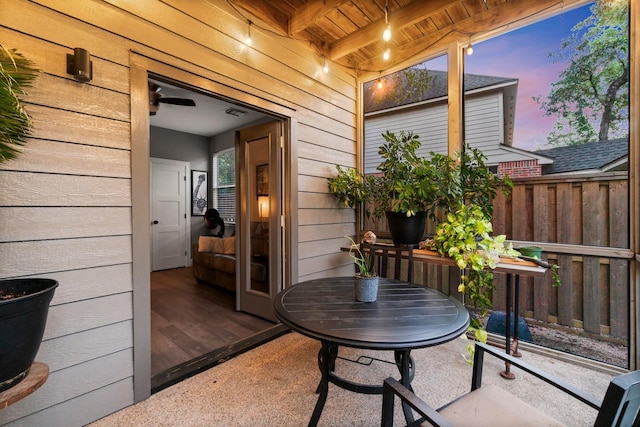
(583, 157)
(437, 89)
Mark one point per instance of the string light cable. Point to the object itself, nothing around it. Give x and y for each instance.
(386, 35)
(387, 52)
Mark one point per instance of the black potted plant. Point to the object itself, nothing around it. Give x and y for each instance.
(24, 306)
(410, 188)
(24, 303)
(404, 190)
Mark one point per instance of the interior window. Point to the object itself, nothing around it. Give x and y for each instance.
(224, 184)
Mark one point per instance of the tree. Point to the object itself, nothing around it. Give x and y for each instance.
(16, 75)
(593, 89)
(403, 87)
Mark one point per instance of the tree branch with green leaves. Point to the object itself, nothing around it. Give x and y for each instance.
(16, 75)
(593, 91)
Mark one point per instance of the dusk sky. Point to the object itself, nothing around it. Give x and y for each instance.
(523, 54)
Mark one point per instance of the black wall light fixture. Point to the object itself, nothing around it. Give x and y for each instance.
(79, 64)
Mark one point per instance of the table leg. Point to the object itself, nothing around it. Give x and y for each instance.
(507, 344)
(516, 310)
(406, 366)
(326, 362)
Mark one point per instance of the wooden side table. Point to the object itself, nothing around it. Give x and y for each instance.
(37, 376)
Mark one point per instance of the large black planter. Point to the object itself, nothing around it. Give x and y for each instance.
(406, 230)
(22, 323)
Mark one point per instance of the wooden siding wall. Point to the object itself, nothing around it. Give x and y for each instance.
(65, 203)
(583, 226)
(483, 115)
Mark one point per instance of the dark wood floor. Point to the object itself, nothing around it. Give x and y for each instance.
(190, 319)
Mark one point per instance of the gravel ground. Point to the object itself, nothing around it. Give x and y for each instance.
(574, 341)
(598, 349)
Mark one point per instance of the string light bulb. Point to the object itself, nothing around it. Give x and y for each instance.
(379, 83)
(325, 67)
(469, 48)
(248, 39)
(386, 55)
(386, 35)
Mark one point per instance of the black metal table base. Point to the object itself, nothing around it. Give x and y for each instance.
(327, 356)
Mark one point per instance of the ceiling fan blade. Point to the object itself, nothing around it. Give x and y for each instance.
(186, 102)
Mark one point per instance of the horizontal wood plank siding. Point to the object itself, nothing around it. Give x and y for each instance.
(89, 283)
(483, 120)
(86, 345)
(107, 399)
(66, 201)
(17, 258)
(34, 189)
(63, 222)
(101, 372)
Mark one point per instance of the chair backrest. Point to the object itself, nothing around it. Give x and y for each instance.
(621, 402)
(379, 255)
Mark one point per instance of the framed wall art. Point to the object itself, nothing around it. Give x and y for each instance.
(199, 200)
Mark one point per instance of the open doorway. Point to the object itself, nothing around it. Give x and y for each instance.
(194, 321)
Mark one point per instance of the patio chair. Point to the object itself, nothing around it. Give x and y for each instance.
(493, 406)
(380, 254)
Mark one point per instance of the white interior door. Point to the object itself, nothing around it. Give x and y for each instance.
(168, 214)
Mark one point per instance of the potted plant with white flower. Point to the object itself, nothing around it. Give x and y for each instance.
(365, 280)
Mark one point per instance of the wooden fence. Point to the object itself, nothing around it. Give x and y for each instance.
(582, 224)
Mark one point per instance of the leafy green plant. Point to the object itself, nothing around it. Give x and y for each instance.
(555, 277)
(365, 269)
(16, 75)
(409, 183)
(348, 186)
(465, 237)
(403, 87)
(406, 182)
(466, 179)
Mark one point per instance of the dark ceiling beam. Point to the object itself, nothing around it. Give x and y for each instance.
(400, 18)
(308, 14)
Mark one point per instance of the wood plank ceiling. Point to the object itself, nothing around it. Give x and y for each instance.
(349, 32)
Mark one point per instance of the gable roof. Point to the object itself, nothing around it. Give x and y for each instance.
(591, 156)
(437, 89)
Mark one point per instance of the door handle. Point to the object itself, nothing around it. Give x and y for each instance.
(155, 222)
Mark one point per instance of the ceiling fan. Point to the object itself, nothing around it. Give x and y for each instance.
(156, 98)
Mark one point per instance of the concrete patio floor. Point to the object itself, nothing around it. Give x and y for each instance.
(274, 385)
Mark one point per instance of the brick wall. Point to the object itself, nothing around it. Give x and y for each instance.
(520, 169)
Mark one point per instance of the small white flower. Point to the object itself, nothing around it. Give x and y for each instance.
(369, 237)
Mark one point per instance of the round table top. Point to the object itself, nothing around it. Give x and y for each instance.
(405, 316)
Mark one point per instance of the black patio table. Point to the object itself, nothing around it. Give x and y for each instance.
(404, 317)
